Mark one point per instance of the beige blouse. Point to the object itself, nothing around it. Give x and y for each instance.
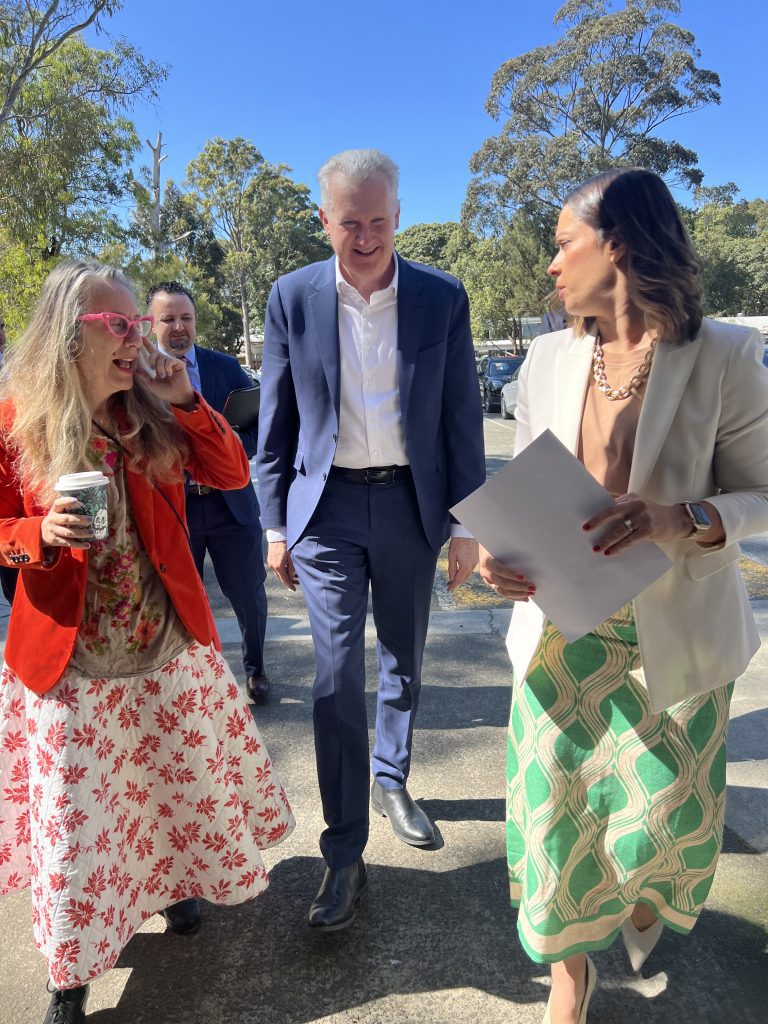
(607, 440)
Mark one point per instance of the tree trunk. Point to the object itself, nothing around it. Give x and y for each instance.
(246, 320)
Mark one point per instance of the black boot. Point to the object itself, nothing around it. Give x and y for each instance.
(336, 904)
(183, 918)
(67, 1006)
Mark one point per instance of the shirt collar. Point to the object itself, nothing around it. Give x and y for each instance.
(342, 283)
(190, 355)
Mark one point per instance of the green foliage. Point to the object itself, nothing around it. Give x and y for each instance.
(22, 270)
(505, 276)
(429, 243)
(264, 221)
(595, 98)
(65, 140)
(731, 238)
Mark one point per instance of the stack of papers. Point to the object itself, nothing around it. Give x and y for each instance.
(530, 516)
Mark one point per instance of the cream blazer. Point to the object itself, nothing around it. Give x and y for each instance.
(702, 434)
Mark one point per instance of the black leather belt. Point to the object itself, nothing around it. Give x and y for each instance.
(199, 490)
(373, 474)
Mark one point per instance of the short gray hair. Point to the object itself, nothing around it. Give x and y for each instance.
(357, 166)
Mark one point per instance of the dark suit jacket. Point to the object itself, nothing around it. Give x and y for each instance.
(439, 396)
(220, 374)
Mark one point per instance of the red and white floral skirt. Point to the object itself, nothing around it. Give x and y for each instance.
(121, 796)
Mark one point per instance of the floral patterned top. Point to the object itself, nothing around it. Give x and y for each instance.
(129, 625)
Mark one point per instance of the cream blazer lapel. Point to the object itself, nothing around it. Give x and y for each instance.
(571, 376)
(670, 370)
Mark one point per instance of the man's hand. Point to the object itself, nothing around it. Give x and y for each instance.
(280, 562)
(462, 559)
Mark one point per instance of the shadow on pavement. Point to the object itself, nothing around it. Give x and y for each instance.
(418, 932)
(747, 736)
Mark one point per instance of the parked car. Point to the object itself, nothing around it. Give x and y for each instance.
(255, 375)
(508, 399)
(493, 373)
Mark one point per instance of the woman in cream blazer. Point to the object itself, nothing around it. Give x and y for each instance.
(616, 767)
(701, 435)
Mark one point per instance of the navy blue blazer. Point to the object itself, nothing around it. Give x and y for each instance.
(220, 374)
(299, 414)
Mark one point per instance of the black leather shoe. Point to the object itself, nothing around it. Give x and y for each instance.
(67, 1006)
(335, 906)
(183, 918)
(407, 819)
(258, 688)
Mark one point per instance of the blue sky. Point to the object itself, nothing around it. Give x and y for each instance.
(303, 80)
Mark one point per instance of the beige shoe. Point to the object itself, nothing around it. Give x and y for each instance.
(639, 944)
(591, 982)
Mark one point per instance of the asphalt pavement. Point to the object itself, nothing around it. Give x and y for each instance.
(435, 939)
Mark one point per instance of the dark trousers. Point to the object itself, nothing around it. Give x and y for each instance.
(360, 536)
(8, 580)
(236, 554)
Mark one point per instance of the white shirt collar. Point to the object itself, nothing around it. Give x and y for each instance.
(190, 355)
(341, 281)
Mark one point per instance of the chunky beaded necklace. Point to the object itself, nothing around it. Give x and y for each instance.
(632, 385)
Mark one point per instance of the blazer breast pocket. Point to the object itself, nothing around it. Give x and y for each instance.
(701, 563)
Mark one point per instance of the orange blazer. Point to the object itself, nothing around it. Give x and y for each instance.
(48, 606)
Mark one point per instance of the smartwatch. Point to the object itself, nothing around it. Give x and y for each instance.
(700, 521)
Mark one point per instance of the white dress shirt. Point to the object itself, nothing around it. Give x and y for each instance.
(370, 420)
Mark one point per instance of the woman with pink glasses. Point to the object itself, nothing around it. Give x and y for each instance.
(132, 778)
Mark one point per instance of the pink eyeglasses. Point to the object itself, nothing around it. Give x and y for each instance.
(120, 325)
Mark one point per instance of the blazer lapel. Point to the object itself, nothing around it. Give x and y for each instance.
(572, 366)
(207, 377)
(671, 368)
(323, 308)
(410, 318)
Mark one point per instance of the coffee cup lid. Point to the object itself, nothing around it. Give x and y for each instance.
(79, 481)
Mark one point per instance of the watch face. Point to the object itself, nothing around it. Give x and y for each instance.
(700, 517)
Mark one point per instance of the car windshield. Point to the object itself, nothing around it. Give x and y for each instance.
(499, 366)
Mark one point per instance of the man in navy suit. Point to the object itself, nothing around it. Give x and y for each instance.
(225, 523)
(370, 429)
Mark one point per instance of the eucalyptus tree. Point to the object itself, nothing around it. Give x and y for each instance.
(596, 97)
(266, 221)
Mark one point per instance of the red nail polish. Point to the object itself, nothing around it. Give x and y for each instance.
(595, 547)
(585, 526)
(606, 552)
(519, 577)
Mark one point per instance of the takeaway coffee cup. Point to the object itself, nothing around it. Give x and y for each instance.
(90, 489)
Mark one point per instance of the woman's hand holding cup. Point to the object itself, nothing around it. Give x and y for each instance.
(62, 527)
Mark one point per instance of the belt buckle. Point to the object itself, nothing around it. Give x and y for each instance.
(384, 475)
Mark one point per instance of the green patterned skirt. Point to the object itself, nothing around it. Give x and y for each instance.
(608, 803)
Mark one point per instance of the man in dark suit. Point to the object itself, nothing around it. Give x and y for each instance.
(225, 523)
(370, 429)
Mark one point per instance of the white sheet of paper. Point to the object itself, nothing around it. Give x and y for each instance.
(530, 515)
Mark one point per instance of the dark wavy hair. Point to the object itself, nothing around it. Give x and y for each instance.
(634, 207)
